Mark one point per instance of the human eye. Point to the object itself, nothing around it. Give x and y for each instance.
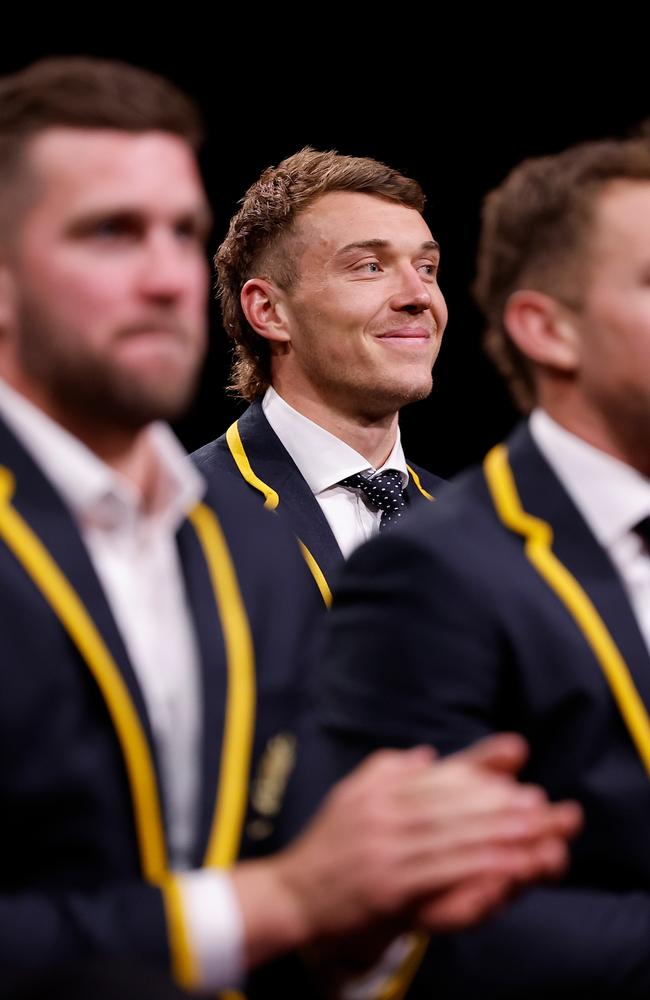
(428, 269)
(368, 267)
(190, 230)
(110, 229)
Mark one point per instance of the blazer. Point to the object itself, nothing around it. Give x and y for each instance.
(497, 609)
(83, 837)
(251, 451)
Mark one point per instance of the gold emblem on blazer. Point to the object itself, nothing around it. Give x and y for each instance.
(270, 783)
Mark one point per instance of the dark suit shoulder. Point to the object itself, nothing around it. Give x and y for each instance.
(247, 525)
(214, 458)
(460, 504)
(428, 480)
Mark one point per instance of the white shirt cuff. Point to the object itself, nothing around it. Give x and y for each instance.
(215, 927)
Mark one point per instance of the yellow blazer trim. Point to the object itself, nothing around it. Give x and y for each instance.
(237, 745)
(539, 539)
(317, 574)
(237, 749)
(416, 479)
(271, 502)
(395, 988)
(65, 602)
(238, 452)
(183, 960)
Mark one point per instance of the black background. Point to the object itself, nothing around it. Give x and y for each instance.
(455, 109)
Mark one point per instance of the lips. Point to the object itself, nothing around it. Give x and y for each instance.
(157, 325)
(407, 333)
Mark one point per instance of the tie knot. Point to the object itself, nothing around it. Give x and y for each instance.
(383, 491)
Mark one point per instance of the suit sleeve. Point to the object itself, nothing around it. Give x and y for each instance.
(415, 654)
(46, 928)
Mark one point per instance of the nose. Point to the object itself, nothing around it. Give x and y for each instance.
(411, 295)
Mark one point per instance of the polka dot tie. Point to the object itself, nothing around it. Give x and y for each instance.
(384, 492)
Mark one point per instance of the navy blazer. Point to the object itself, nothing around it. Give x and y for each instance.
(82, 838)
(274, 470)
(458, 626)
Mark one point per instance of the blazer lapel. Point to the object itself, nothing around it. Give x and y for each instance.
(200, 596)
(415, 497)
(574, 545)
(41, 507)
(272, 463)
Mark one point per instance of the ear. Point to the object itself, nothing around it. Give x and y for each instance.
(543, 329)
(264, 308)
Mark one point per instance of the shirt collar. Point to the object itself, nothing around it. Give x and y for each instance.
(322, 458)
(94, 492)
(611, 495)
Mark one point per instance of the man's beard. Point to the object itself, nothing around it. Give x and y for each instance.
(95, 389)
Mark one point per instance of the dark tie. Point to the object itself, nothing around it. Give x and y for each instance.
(643, 530)
(384, 492)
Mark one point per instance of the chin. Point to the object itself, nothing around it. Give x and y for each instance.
(413, 390)
(386, 399)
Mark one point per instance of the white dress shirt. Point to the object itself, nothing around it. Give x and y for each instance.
(611, 496)
(133, 551)
(324, 460)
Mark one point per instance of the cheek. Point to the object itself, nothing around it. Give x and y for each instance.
(340, 309)
(80, 290)
(200, 289)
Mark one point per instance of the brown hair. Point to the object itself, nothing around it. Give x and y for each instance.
(258, 242)
(80, 92)
(535, 234)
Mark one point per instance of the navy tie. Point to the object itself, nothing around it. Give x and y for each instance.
(384, 492)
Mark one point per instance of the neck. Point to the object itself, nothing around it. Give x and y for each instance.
(623, 439)
(371, 435)
(125, 449)
(130, 454)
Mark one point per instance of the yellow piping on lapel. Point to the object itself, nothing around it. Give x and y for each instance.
(183, 960)
(271, 502)
(238, 452)
(416, 479)
(539, 539)
(237, 746)
(66, 604)
(317, 574)
(225, 835)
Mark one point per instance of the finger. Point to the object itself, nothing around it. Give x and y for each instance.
(440, 871)
(463, 789)
(397, 762)
(464, 905)
(418, 842)
(502, 752)
(567, 818)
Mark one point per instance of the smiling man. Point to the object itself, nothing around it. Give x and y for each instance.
(328, 286)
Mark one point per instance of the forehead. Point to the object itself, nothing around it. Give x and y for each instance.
(622, 218)
(81, 168)
(339, 218)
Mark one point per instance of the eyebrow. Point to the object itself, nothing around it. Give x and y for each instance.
(381, 245)
(200, 215)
